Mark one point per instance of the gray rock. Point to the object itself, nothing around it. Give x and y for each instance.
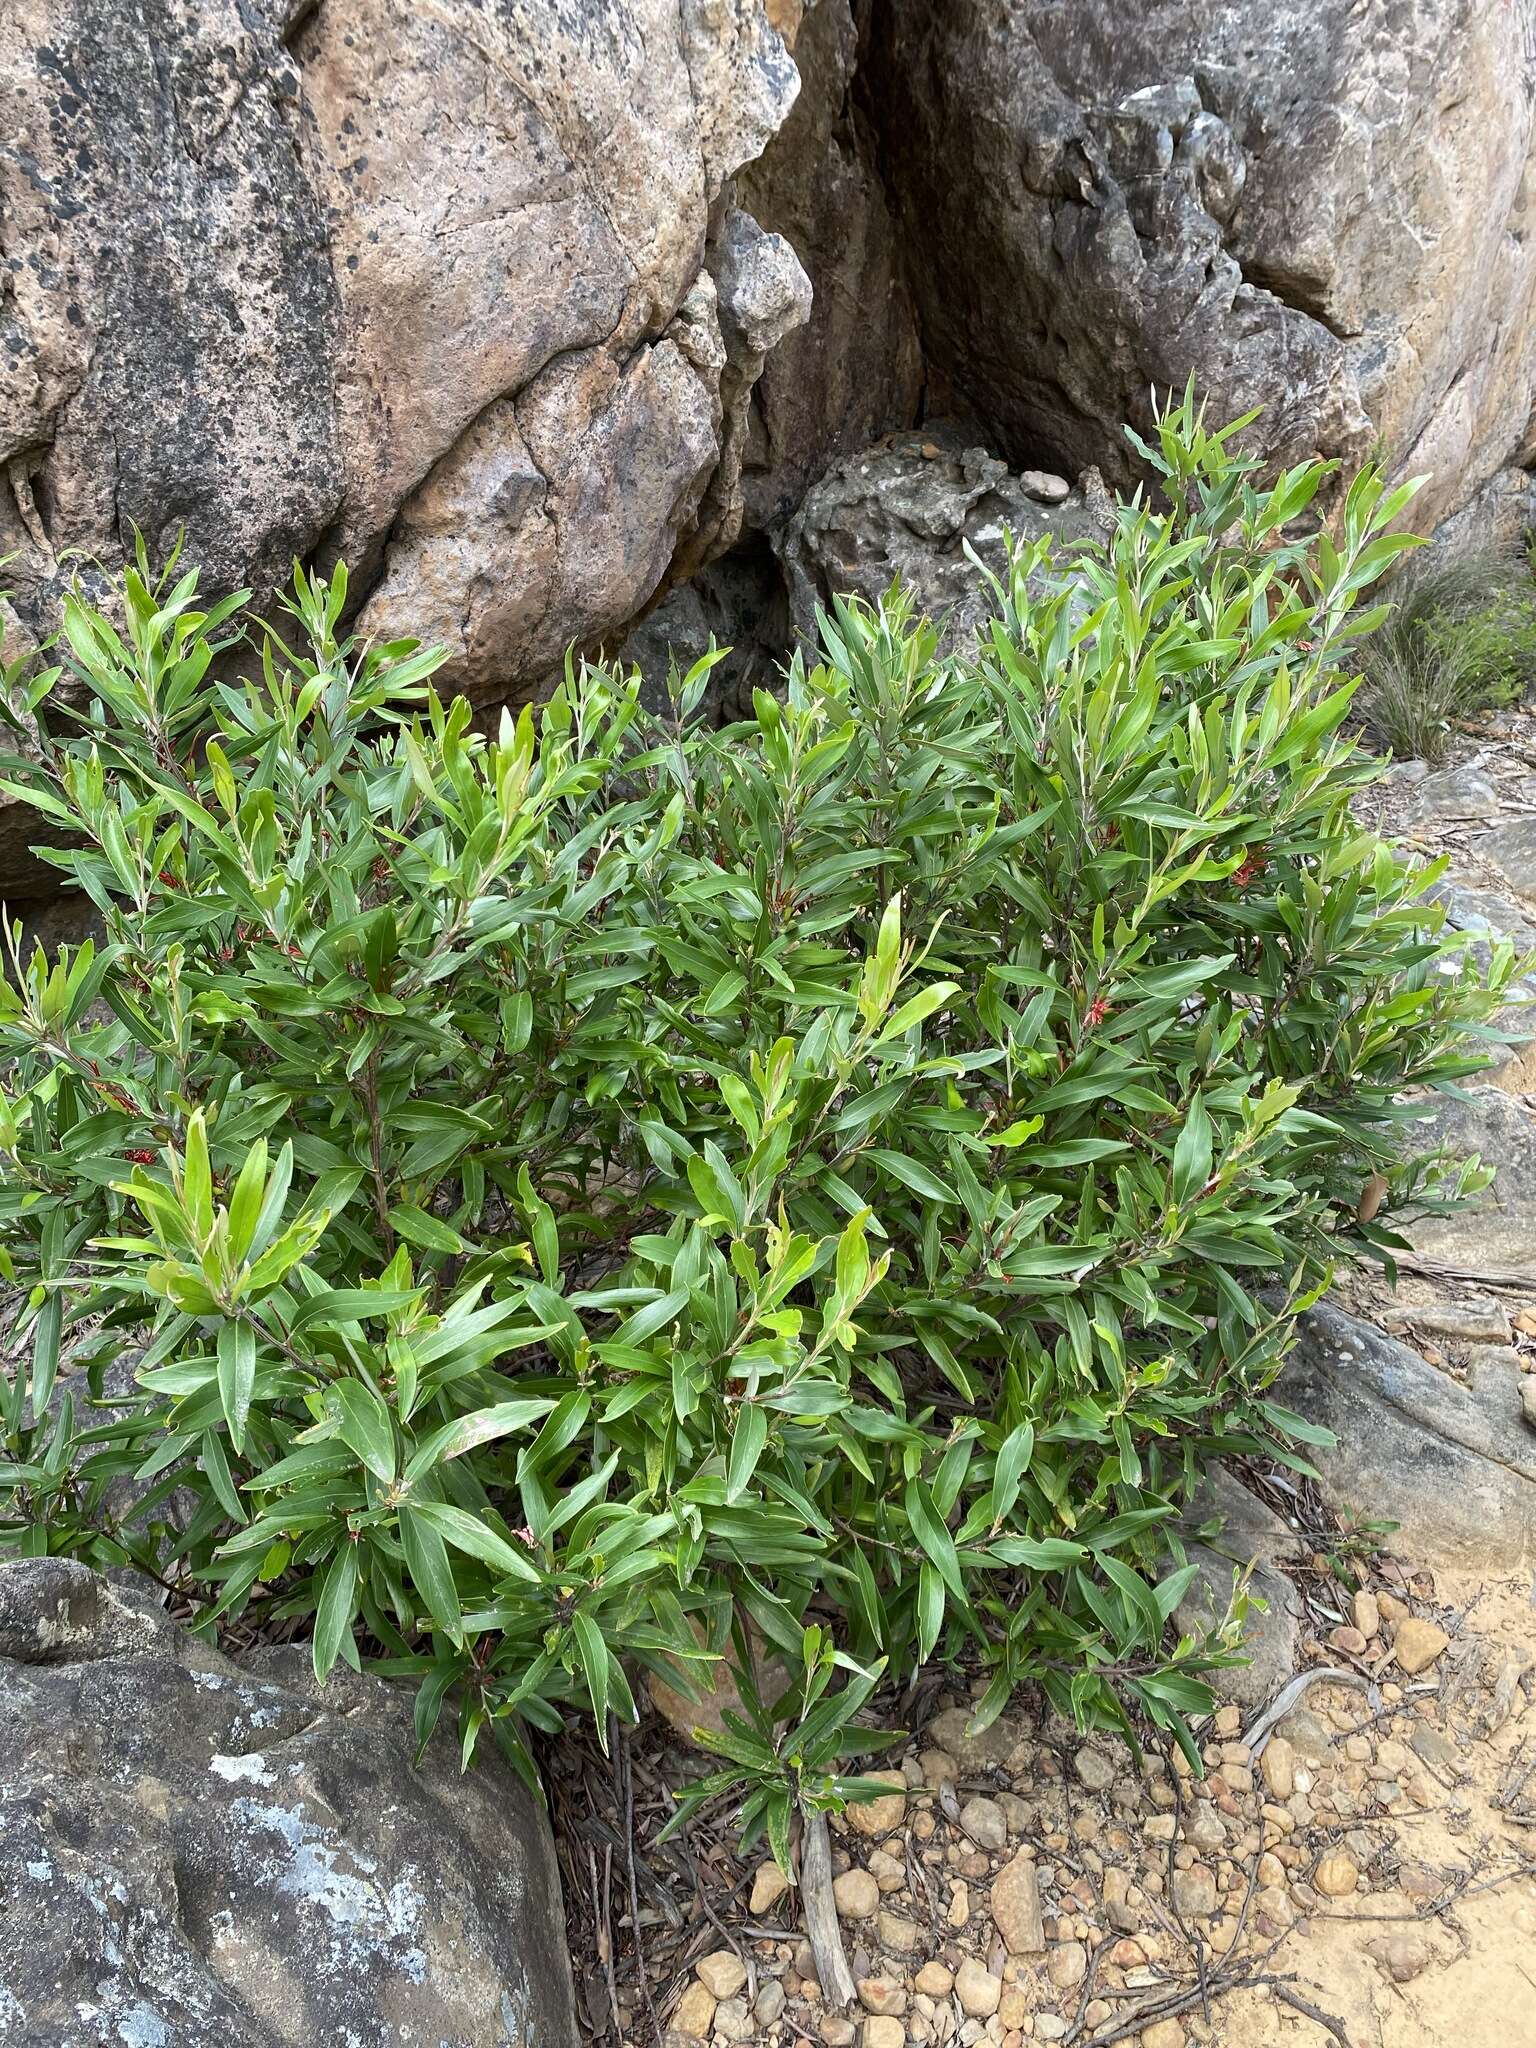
(1471, 907)
(1512, 850)
(194, 1852)
(1100, 198)
(1462, 1322)
(1452, 1467)
(1250, 1535)
(763, 294)
(1498, 1227)
(1486, 916)
(894, 510)
(1454, 796)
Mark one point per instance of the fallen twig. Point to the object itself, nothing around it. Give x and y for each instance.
(1258, 1731)
(1294, 1999)
(1446, 1269)
(820, 1908)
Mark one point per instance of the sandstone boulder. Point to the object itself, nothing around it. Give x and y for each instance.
(450, 291)
(1318, 210)
(195, 1852)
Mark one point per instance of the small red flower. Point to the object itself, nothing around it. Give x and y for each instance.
(1096, 1012)
(1253, 866)
(142, 1158)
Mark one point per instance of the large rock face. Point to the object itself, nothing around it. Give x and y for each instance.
(431, 287)
(1321, 209)
(197, 1853)
(530, 309)
(1454, 1467)
(855, 369)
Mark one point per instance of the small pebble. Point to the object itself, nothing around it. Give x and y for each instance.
(985, 1822)
(856, 1894)
(1418, 1644)
(1336, 1875)
(977, 1989)
(723, 1973)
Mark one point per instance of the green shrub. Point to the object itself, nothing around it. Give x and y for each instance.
(614, 1190)
(1460, 639)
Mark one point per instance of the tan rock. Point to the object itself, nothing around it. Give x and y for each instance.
(882, 2031)
(1273, 1905)
(1015, 1905)
(877, 1817)
(1418, 1643)
(694, 2013)
(935, 1980)
(882, 1995)
(1067, 1964)
(1163, 2034)
(1402, 1956)
(769, 1884)
(856, 1895)
(716, 1687)
(1278, 1766)
(900, 1935)
(1337, 1875)
(723, 1973)
(436, 277)
(1366, 1613)
(977, 1989)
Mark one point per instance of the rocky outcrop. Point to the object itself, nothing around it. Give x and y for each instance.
(532, 312)
(855, 369)
(914, 507)
(917, 507)
(1230, 1532)
(194, 1852)
(442, 289)
(1453, 1466)
(1497, 1228)
(1322, 210)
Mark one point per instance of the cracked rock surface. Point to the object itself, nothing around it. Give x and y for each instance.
(420, 285)
(1317, 209)
(194, 1851)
